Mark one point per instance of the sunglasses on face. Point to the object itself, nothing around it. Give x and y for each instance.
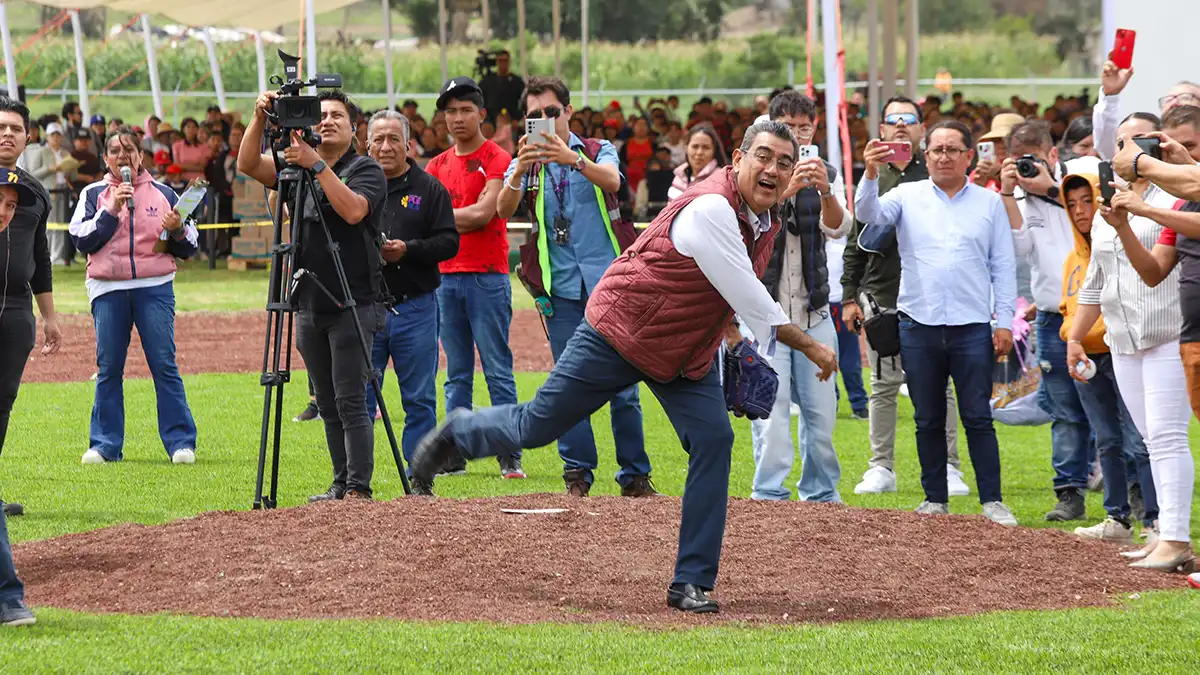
(896, 118)
(548, 111)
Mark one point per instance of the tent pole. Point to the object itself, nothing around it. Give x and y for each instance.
(10, 67)
(262, 61)
(152, 67)
(583, 46)
(487, 24)
(310, 42)
(912, 55)
(833, 93)
(890, 10)
(873, 101)
(215, 65)
(80, 71)
(442, 38)
(521, 30)
(387, 55)
(556, 17)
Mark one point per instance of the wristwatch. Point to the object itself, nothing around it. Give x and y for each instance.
(1053, 192)
(319, 166)
(579, 163)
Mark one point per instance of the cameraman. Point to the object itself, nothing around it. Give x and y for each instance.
(501, 88)
(1044, 234)
(350, 192)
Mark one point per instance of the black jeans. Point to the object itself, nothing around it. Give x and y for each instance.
(339, 374)
(18, 333)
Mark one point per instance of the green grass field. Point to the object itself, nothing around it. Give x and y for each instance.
(41, 468)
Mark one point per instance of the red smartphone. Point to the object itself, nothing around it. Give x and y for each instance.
(901, 152)
(1122, 53)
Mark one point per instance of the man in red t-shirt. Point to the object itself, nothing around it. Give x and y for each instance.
(475, 297)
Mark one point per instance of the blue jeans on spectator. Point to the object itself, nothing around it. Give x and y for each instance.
(929, 356)
(114, 314)
(849, 361)
(410, 341)
(577, 447)
(12, 591)
(476, 312)
(1069, 431)
(772, 437)
(1117, 441)
(589, 374)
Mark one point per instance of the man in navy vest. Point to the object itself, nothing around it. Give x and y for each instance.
(812, 209)
(574, 234)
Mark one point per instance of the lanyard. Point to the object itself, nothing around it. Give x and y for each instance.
(560, 188)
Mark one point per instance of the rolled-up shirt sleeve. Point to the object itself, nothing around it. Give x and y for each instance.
(1105, 120)
(838, 189)
(707, 231)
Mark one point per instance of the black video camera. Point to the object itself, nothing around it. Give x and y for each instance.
(293, 111)
(485, 62)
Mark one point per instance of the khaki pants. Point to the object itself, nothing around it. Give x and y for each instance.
(1190, 352)
(886, 378)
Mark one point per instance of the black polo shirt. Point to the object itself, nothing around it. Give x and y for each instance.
(359, 243)
(24, 254)
(418, 212)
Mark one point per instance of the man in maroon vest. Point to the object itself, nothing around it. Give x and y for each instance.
(659, 315)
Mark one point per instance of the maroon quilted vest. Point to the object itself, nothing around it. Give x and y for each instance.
(654, 305)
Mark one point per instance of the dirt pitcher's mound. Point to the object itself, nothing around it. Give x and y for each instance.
(602, 559)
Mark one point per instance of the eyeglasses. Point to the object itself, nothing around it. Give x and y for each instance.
(784, 163)
(803, 130)
(549, 111)
(1182, 99)
(896, 118)
(952, 153)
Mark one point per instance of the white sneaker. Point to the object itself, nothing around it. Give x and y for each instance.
(1108, 530)
(93, 457)
(998, 513)
(877, 479)
(184, 456)
(928, 508)
(1194, 580)
(955, 485)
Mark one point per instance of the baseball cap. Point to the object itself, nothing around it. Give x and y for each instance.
(53, 128)
(83, 134)
(26, 196)
(455, 86)
(162, 157)
(96, 119)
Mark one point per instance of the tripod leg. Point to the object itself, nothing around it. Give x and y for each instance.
(391, 433)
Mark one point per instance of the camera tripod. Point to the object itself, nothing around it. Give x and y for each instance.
(295, 184)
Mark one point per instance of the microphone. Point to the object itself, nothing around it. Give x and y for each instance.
(127, 178)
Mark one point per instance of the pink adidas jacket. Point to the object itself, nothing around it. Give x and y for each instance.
(116, 250)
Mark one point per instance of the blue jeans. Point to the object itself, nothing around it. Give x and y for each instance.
(930, 355)
(476, 312)
(588, 374)
(410, 341)
(849, 361)
(1070, 435)
(772, 438)
(115, 314)
(12, 590)
(1118, 442)
(577, 447)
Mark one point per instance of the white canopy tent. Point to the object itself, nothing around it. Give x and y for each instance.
(258, 16)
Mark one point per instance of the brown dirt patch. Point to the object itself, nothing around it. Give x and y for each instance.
(605, 559)
(231, 342)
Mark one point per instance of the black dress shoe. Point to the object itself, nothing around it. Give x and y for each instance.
(333, 493)
(13, 509)
(691, 598)
(436, 450)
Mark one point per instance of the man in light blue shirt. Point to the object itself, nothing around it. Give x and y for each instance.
(576, 242)
(958, 269)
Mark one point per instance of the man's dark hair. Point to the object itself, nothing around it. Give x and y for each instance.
(1145, 117)
(1075, 183)
(213, 108)
(504, 52)
(118, 120)
(473, 97)
(14, 106)
(777, 129)
(1182, 115)
(540, 85)
(792, 102)
(340, 96)
(704, 100)
(69, 108)
(1079, 129)
(1032, 134)
(950, 124)
(906, 101)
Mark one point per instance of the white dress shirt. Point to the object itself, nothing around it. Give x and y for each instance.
(956, 255)
(707, 231)
(1106, 117)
